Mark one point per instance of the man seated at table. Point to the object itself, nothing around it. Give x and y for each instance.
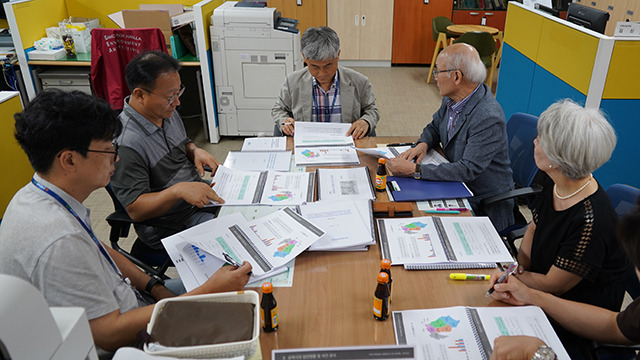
(471, 128)
(160, 170)
(588, 321)
(325, 92)
(46, 236)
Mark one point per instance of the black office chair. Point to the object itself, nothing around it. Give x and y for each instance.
(152, 261)
(521, 131)
(624, 199)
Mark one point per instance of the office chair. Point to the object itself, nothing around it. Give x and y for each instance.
(30, 329)
(152, 261)
(111, 51)
(521, 131)
(624, 199)
(440, 36)
(487, 47)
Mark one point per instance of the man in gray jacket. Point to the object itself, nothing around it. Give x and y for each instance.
(324, 91)
(471, 128)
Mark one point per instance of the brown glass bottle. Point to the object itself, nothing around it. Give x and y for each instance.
(381, 298)
(268, 309)
(381, 175)
(385, 266)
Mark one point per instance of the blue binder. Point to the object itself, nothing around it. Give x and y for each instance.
(410, 189)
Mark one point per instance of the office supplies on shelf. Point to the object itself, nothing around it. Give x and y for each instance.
(241, 187)
(430, 242)
(462, 276)
(278, 143)
(345, 183)
(410, 189)
(468, 332)
(510, 270)
(258, 160)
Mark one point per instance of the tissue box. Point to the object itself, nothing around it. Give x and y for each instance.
(221, 350)
(55, 54)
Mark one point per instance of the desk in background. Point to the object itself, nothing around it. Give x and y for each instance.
(458, 30)
(331, 301)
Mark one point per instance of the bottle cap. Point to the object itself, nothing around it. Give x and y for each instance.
(383, 278)
(382, 161)
(385, 264)
(267, 288)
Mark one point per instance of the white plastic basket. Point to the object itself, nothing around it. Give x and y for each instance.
(225, 350)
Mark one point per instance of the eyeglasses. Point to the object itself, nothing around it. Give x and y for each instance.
(170, 100)
(436, 71)
(116, 147)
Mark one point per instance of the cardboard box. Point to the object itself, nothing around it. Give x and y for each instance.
(144, 19)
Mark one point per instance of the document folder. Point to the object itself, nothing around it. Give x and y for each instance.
(409, 189)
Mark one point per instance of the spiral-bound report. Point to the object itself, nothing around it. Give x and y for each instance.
(430, 242)
(469, 332)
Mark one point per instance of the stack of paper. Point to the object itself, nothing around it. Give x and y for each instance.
(348, 224)
(324, 144)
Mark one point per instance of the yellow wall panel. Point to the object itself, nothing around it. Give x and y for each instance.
(207, 11)
(522, 30)
(100, 9)
(568, 54)
(18, 170)
(624, 72)
(33, 17)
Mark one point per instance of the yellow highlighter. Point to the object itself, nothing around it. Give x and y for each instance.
(461, 276)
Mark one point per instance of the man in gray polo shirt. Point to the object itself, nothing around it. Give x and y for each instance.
(160, 170)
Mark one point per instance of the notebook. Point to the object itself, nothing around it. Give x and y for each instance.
(468, 333)
(429, 242)
(410, 189)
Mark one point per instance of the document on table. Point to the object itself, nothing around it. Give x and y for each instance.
(373, 352)
(432, 156)
(326, 155)
(342, 222)
(468, 333)
(258, 160)
(322, 134)
(346, 183)
(265, 144)
(267, 243)
(431, 242)
(243, 187)
(195, 266)
(459, 204)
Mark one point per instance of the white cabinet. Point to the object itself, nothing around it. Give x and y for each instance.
(365, 28)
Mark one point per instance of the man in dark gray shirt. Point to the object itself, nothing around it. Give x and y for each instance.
(160, 170)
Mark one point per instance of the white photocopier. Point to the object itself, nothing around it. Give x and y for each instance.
(253, 49)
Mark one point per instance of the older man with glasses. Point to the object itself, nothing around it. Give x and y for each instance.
(160, 171)
(471, 128)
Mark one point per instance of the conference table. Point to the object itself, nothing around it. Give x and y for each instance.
(331, 300)
(458, 30)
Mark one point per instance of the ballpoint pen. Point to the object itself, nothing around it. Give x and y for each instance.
(231, 261)
(452, 208)
(401, 144)
(512, 268)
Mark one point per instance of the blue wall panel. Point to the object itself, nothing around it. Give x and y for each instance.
(624, 166)
(547, 89)
(516, 72)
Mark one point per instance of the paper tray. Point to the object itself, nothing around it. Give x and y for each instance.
(226, 350)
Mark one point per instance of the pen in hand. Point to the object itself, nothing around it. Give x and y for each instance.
(231, 261)
(512, 268)
(401, 144)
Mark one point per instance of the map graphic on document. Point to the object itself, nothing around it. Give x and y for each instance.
(283, 196)
(444, 324)
(414, 226)
(310, 154)
(285, 248)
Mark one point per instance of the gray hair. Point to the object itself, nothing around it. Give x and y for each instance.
(575, 139)
(321, 44)
(471, 66)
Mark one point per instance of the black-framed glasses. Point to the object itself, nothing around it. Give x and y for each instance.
(116, 148)
(171, 99)
(436, 71)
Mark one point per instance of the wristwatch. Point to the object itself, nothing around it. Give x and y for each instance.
(155, 279)
(544, 353)
(417, 174)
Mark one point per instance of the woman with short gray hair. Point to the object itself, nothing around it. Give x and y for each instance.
(570, 248)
